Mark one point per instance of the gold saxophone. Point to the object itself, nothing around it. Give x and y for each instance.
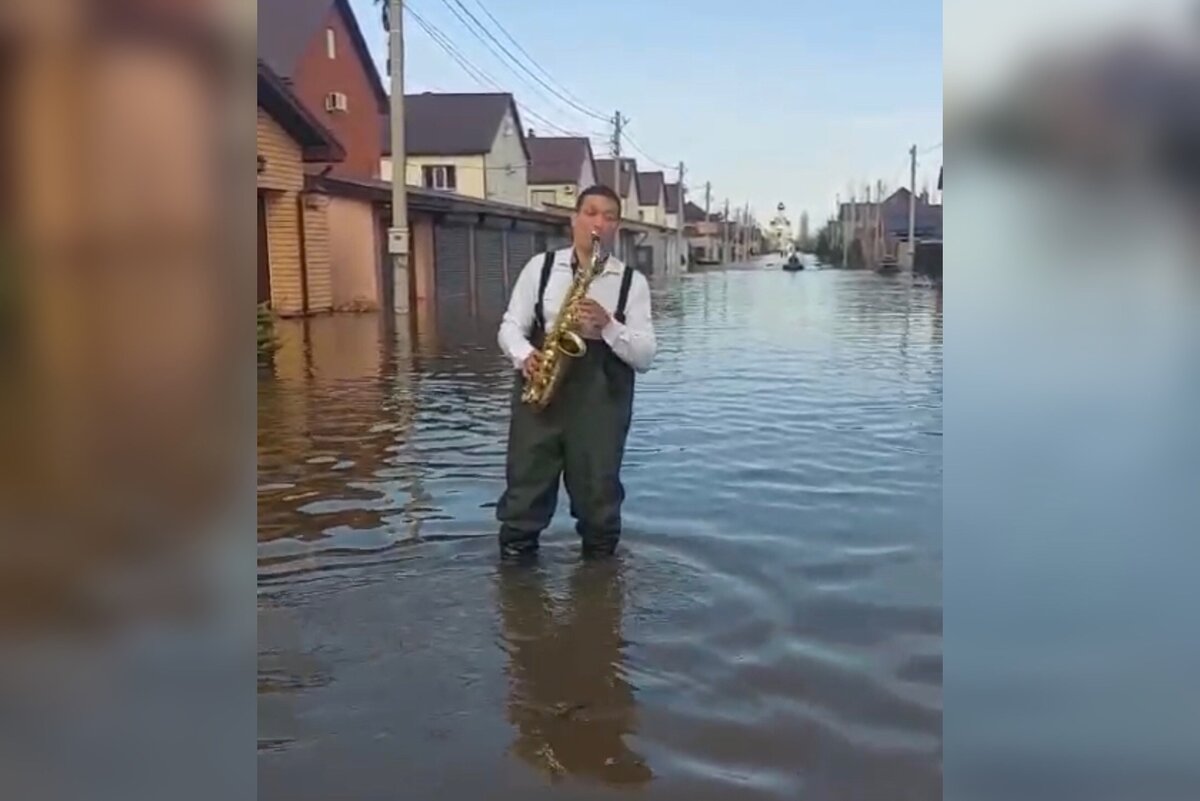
(563, 338)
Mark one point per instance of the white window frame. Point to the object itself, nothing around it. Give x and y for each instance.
(442, 172)
(331, 43)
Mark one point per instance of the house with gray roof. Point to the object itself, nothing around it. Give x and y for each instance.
(652, 198)
(623, 182)
(560, 167)
(671, 205)
(469, 144)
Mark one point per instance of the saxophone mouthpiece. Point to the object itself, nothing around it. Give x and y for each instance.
(598, 254)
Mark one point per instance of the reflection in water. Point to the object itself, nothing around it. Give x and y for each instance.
(568, 694)
(773, 632)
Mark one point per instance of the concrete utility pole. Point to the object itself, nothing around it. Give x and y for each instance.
(725, 234)
(912, 207)
(746, 238)
(853, 227)
(841, 224)
(707, 198)
(868, 244)
(879, 232)
(398, 237)
(679, 230)
(618, 121)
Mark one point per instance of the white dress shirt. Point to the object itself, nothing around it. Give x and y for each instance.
(633, 341)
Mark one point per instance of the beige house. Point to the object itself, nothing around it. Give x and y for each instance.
(671, 206)
(468, 144)
(294, 260)
(626, 187)
(560, 167)
(652, 199)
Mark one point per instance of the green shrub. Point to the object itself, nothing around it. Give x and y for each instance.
(267, 341)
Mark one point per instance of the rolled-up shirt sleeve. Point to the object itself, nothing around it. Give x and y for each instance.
(633, 341)
(518, 317)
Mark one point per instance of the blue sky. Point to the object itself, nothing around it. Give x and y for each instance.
(770, 100)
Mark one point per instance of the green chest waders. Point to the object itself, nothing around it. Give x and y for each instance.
(579, 438)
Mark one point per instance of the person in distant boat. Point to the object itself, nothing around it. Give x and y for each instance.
(580, 436)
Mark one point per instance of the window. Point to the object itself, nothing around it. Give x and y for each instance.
(330, 43)
(543, 196)
(438, 176)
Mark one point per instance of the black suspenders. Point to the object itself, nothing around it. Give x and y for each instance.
(623, 298)
(539, 317)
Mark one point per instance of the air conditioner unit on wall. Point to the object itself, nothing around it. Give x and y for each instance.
(335, 101)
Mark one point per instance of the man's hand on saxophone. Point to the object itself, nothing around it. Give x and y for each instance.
(531, 365)
(592, 318)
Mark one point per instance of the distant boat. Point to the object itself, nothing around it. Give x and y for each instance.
(793, 264)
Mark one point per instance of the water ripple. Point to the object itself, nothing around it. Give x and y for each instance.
(771, 629)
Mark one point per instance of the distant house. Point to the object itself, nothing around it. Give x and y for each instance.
(294, 264)
(560, 167)
(652, 199)
(671, 205)
(626, 187)
(862, 224)
(318, 49)
(706, 235)
(469, 144)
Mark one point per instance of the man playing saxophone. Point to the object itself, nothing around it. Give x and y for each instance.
(579, 435)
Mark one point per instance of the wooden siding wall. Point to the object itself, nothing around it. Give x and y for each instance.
(317, 252)
(284, 169)
(297, 226)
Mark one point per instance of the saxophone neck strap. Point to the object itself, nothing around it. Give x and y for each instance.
(538, 311)
(623, 298)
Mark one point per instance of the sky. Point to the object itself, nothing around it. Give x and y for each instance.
(769, 101)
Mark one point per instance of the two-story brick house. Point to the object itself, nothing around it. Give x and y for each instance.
(294, 268)
(318, 48)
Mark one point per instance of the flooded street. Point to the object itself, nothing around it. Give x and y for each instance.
(771, 627)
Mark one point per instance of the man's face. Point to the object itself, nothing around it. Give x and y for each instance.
(597, 214)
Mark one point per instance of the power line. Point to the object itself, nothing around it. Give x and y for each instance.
(447, 45)
(472, 31)
(512, 58)
(525, 53)
(443, 41)
(642, 150)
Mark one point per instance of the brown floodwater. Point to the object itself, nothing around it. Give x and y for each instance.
(770, 629)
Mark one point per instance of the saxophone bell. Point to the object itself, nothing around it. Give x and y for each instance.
(572, 345)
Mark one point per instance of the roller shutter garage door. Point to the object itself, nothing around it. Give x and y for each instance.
(520, 251)
(452, 257)
(489, 272)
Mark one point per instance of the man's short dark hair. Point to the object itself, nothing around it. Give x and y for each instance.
(598, 190)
